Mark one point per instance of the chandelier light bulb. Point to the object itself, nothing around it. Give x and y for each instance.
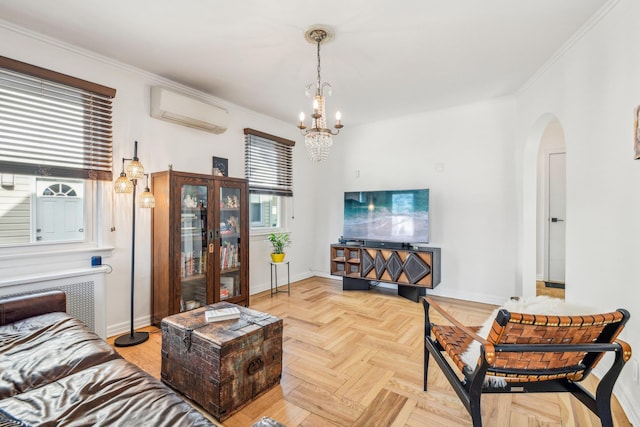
(338, 124)
(301, 125)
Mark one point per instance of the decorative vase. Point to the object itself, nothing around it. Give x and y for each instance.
(277, 257)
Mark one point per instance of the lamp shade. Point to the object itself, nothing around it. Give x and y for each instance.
(123, 184)
(147, 200)
(134, 169)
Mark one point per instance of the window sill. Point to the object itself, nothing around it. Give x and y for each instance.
(265, 232)
(11, 253)
(14, 266)
(32, 278)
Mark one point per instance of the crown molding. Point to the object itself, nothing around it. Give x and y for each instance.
(112, 62)
(577, 36)
(133, 70)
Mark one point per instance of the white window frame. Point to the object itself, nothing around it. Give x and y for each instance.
(92, 240)
(283, 219)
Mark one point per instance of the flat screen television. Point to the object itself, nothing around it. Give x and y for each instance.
(400, 216)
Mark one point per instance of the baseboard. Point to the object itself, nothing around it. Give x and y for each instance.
(323, 274)
(439, 291)
(629, 404)
(256, 288)
(470, 296)
(124, 327)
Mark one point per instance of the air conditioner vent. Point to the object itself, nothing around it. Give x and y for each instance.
(184, 110)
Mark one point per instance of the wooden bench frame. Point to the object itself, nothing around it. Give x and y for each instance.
(496, 351)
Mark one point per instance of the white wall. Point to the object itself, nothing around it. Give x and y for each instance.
(464, 156)
(160, 144)
(593, 89)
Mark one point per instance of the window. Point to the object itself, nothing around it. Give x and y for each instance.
(55, 137)
(269, 170)
(264, 210)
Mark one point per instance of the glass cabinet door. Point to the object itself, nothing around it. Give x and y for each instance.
(229, 232)
(193, 246)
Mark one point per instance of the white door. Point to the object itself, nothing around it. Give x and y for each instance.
(59, 214)
(557, 208)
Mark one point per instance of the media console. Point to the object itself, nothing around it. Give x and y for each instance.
(413, 270)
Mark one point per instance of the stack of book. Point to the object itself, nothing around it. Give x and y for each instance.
(219, 314)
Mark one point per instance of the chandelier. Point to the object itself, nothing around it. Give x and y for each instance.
(318, 139)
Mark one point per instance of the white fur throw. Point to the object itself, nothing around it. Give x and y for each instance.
(533, 305)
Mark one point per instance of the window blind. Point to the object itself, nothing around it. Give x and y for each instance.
(268, 163)
(52, 124)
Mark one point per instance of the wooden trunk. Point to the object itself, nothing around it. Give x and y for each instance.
(221, 365)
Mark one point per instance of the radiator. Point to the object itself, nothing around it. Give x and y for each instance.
(84, 289)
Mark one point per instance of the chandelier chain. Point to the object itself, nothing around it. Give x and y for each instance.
(319, 83)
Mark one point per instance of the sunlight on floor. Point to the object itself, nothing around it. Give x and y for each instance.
(541, 289)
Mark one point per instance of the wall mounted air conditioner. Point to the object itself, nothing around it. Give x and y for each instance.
(184, 110)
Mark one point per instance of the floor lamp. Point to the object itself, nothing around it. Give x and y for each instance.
(126, 183)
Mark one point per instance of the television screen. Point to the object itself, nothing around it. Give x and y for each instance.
(391, 216)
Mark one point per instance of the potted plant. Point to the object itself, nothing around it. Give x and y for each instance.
(279, 241)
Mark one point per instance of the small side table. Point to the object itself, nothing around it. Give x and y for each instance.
(274, 278)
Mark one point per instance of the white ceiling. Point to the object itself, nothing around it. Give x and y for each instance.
(388, 58)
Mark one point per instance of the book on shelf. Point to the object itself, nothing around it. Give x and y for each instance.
(228, 256)
(193, 262)
(219, 314)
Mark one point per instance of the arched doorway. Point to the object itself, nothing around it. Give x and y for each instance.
(550, 213)
(545, 137)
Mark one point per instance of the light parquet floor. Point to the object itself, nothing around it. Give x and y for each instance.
(354, 358)
(541, 289)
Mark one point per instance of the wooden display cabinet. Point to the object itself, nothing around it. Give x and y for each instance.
(200, 242)
(413, 270)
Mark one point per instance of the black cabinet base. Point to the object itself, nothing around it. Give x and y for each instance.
(352, 284)
(410, 292)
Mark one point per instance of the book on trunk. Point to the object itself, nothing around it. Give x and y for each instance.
(217, 315)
